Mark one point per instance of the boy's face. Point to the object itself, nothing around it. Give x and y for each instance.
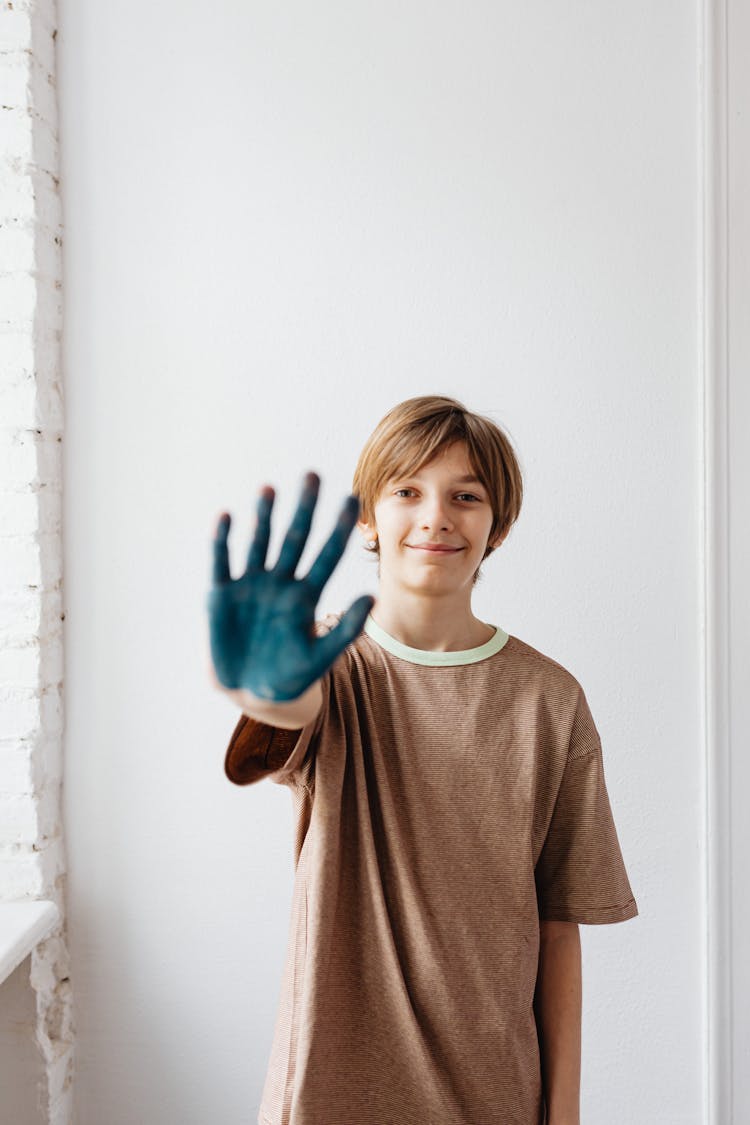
(433, 505)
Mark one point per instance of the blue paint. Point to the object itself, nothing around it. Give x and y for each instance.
(261, 625)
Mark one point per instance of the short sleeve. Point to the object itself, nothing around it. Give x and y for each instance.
(256, 750)
(580, 874)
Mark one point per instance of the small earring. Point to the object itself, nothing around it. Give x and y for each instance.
(372, 542)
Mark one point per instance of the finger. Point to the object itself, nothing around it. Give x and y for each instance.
(296, 537)
(334, 547)
(328, 647)
(256, 556)
(220, 572)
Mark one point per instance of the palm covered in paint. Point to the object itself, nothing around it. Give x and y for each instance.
(262, 624)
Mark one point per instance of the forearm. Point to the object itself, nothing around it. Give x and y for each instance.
(557, 1008)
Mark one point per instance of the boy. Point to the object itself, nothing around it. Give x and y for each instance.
(453, 826)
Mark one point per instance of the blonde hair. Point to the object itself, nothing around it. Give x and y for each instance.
(412, 433)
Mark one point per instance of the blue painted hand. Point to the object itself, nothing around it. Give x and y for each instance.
(262, 624)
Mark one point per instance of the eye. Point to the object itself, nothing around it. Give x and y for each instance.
(469, 494)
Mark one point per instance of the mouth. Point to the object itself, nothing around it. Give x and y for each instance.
(437, 550)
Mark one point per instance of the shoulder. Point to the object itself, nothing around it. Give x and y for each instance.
(534, 666)
(564, 698)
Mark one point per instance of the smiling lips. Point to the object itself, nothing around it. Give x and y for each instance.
(435, 548)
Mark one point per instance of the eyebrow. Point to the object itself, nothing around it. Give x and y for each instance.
(457, 480)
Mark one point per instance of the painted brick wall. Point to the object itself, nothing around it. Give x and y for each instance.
(32, 858)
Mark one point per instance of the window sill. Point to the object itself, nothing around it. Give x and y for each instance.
(23, 925)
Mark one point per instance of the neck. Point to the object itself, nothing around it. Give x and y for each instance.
(432, 623)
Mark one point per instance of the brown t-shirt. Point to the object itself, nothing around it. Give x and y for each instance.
(444, 803)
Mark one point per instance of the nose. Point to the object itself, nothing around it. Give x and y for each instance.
(434, 514)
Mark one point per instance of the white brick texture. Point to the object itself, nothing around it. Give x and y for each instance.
(32, 854)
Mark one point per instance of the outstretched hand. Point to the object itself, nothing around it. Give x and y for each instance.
(262, 624)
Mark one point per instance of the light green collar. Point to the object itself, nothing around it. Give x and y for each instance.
(426, 656)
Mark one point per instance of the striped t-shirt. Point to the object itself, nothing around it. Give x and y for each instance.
(444, 803)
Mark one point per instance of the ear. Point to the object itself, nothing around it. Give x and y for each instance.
(498, 539)
(366, 530)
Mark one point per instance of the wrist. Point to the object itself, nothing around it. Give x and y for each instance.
(289, 714)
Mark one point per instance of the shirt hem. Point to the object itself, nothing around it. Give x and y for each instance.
(592, 917)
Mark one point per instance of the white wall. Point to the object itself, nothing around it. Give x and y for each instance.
(280, 221)
(23, 1077)
(732, 456)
